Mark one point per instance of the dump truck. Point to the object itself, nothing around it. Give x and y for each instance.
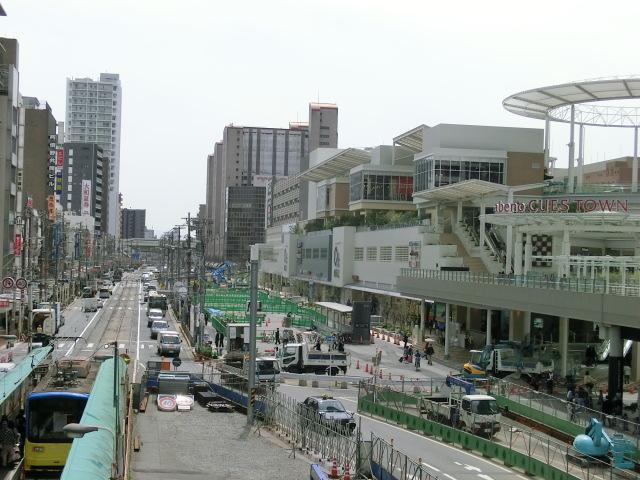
(463, 408)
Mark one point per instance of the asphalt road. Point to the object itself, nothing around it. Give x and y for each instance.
(441, 460)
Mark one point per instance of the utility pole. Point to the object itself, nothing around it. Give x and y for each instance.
(253, 309)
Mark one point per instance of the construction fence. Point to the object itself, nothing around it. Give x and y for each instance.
(233, 303)
(514, 445)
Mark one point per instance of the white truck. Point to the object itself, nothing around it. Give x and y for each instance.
(504, 359)
(56, 309)
(299, 357)
(474, 413)
(44, 321)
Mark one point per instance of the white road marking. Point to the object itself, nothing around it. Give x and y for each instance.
(485, 477)
(140, 346)
(471, 468)
(458, 463)
(488, 462)
(82, 333)
(449, 476)
(60, 346)
(135, 364)
(90, 345)
(431, 467)
(121, 345)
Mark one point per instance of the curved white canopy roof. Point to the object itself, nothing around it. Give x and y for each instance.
(555, 101)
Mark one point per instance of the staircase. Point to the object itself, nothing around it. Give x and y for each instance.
(474, 264)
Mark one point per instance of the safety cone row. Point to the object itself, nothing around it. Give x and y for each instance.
(346, 472)
(357, 364)
(366, 368)
(333, 473)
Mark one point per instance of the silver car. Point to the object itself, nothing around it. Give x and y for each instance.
(158, 326)
(154, 314)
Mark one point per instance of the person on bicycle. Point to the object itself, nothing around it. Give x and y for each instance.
(417, 359)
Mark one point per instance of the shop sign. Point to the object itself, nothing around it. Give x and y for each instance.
(564, 205)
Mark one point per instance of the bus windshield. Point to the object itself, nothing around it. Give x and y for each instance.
(47, 415)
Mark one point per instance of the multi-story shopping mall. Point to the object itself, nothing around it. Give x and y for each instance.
(471, 226)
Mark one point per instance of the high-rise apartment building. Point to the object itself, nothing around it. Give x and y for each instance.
(323, 126)
(133, 223)
(248, 157)
(94, 114)
(10, 152)
(244, 221)
(84, 178)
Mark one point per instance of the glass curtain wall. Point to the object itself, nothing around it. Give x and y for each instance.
(383, 187)
(433, 172)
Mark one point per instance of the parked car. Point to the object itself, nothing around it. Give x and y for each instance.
(158, 326)
(328, 411)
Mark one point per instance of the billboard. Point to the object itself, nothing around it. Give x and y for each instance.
(86, 198)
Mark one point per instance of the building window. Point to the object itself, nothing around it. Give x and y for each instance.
(323, 253)
(372, 254)
(358, 254)
(386, 254)
(431, 172)
(316, 253)
(402, 254)
(307, 253)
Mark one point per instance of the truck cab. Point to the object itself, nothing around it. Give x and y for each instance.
(479, 414)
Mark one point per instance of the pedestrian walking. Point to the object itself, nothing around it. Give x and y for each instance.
(21, 427)
(8, 440)
(277, 336)
(217, 340)
(405, 338)
(428, 351)
(417, 360)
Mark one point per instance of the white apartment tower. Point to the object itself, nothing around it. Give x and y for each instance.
(94, 114)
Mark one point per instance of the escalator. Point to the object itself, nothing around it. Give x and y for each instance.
(603, 349)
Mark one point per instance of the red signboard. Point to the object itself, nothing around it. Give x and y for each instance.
(29, 202)
(17, 244)
(4, 303)
(59, 157)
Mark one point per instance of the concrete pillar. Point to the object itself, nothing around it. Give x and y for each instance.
(634, 163)
(616, 367)
(489, 314)
(566, 252)
(547, 140)
(572, 147)
(459, 212)
(447, 313)
(635, 362)
(526, 326)
(517, 245)
(509, 239)
(527, 254)
(564, 344)
(423, 315)
(580, 173)
(482, 225)
(512, 326)
(468, 320)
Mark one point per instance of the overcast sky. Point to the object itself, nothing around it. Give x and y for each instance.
(190, 67)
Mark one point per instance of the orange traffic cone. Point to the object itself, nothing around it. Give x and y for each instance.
(346, 473)
(366, 368)
(357, 364)
(333, 473)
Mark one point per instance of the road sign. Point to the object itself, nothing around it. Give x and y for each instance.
(21, 283)
(176, 362)
(4, 303)
(8, 282)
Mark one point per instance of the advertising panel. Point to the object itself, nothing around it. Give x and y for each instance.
(86, 198)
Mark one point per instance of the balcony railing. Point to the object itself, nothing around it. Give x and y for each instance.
(548, 282)
(560, 188)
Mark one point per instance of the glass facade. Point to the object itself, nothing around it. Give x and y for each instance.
(244, 223)
(322, 198)
(383, 187)
(433, 172)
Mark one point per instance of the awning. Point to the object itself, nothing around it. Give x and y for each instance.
(411, 139)
(378, 291)
(336, 307)
(13, 378)
(461, 191)
(338, 165)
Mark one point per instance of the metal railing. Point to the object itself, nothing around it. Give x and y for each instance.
(388, 462)
(547, 282)
(309, 432)
(509, 435)
(561, 409)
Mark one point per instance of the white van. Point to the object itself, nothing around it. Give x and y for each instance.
(169, 343)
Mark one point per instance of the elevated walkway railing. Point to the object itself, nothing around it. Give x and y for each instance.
(547, 282)
(514, 445)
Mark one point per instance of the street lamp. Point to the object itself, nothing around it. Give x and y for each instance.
(79, 430)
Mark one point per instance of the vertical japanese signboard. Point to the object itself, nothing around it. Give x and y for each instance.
(86, 198)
